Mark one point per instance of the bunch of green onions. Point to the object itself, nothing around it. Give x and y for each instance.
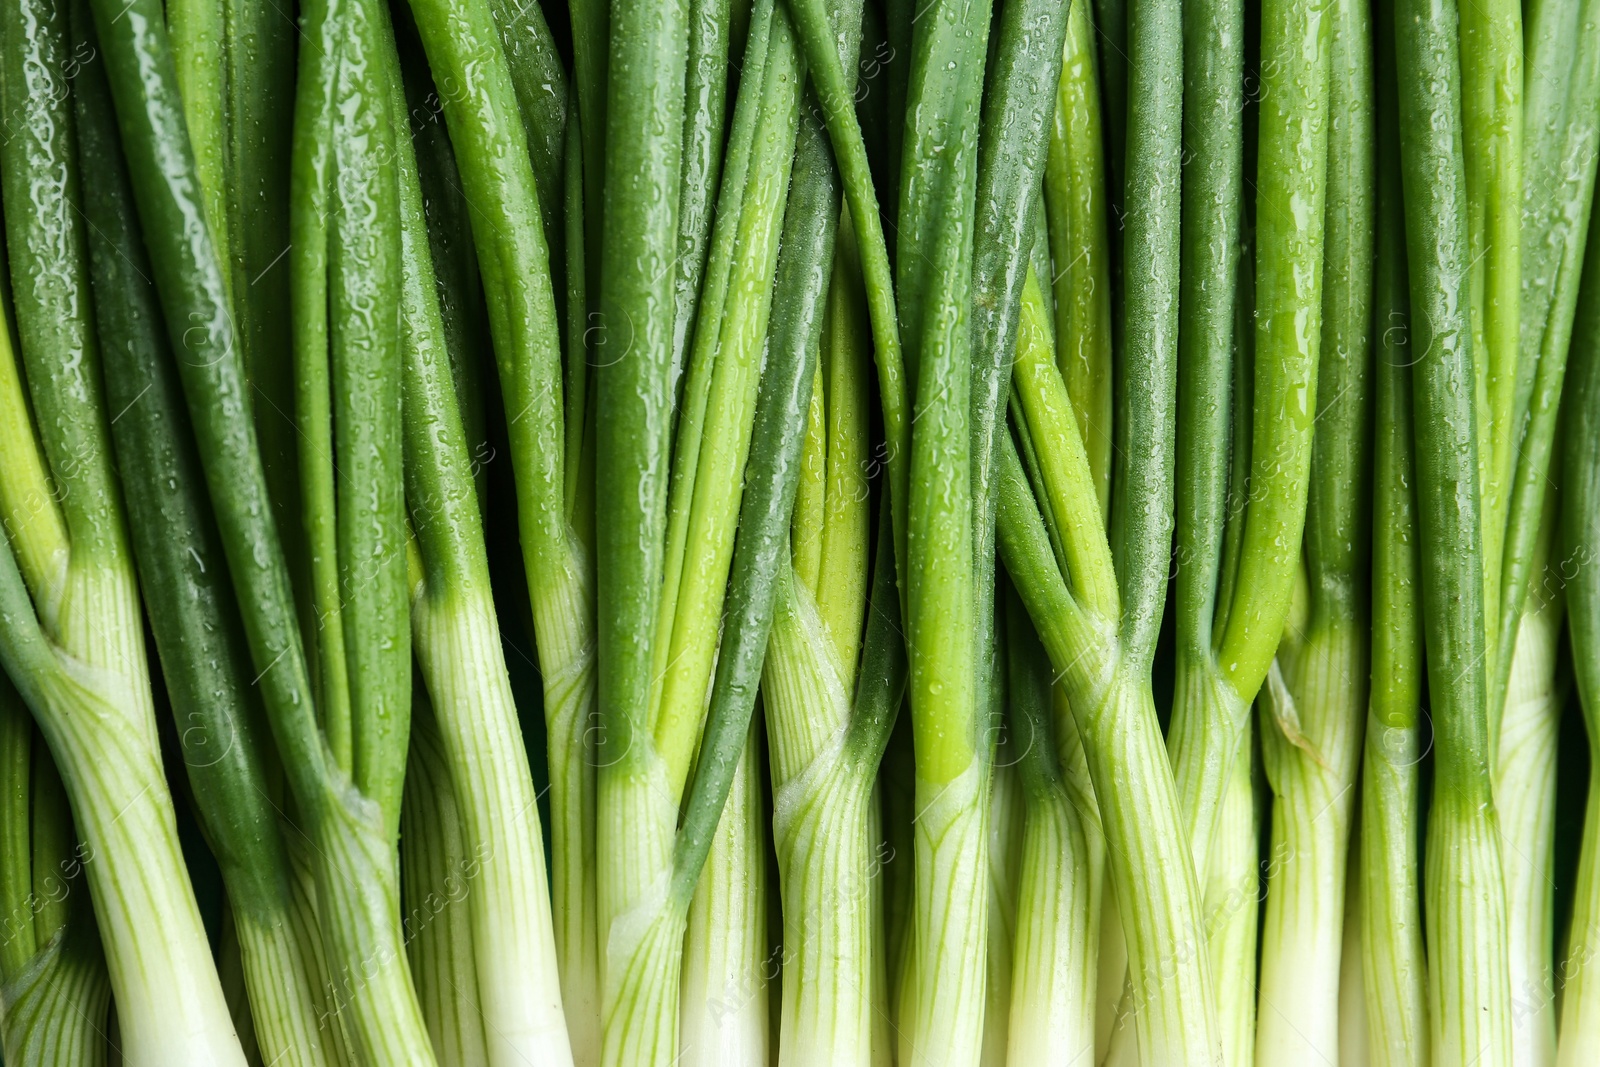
(799, 532)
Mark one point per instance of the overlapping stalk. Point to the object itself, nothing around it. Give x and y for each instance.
(1492, 122)
(1245, 464)
(1100, 636)
(1579, 535)
(53, 985)
(1312, 729)
(948, 687)
(227, 751)
(1061, 869)
(1393, 961)
(1470, 994)
(458, 648)
(70, 635)
(1525, 794)
(1562, 118)
(669, 559)
(434, 869)
(345, 770)
(828, 715)
(547, 420)
(1112, 706)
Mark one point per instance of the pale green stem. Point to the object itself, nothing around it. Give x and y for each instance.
(438, 927)
(282, 996)
(1311, 724)
(1394, 965)
(55, 1009)
(821, 827)
(1054, 965)
(358, 881)
(1466, 931)
(564, 621)
(1580, 970)
(332, 1024)
(458, 648)
(1525, 795)
(939, 1004)
(1233, 913)
(95, 708)
(724, 1002)
(1006, 824)
(1353, 1044)
(643, 920)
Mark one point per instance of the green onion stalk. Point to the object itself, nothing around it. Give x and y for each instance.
(1491, 44)
(54, 991)
(1562, 117)
(503, 146)
(436, 868)
(1095, 588)
(1079, 253)
(338, 709)
(834, 670)
(1312, 732)
(1232, 906)
(1062, 855)
(1100, 637)
(459, 652)
(70, 630)
(1245, 463)
(947, 254)
(725, 1004)
(669, 503)
(1024, 76)
(940, 1014)
(1524, 785)
(1580, 566)
(1393, 961)
(1464, 889)
(1108, 692)
(1206, 713)
(835, 665)
(227, 753)
(1244, 468)
(1080, 247)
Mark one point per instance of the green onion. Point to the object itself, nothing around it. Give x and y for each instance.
(1580, 527)
(1525, 796)
(1562, 116)
(52, 972)
(939, 1014)
(1233, 927)
(437, 870)
(1233, 611)
(1052, 1003)
(514, 259)
(204, 658)
(1108, 691)
(1470, 995)
(1311, 743)
(1491, 44)
(70, 633)
(1075, 201)
(655, 705)
(1393, 960)
(458, 648)
(351, 807)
